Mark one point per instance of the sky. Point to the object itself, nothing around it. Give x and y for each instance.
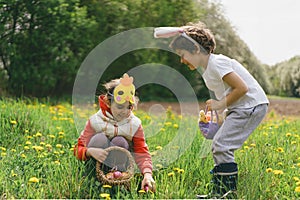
(270, 28)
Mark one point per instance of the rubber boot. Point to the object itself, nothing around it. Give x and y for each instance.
(224, 182)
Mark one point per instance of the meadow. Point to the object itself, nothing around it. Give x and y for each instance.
(37, 161)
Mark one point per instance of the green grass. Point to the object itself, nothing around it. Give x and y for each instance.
(36, 156)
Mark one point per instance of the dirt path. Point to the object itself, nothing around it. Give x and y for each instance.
(279, 106)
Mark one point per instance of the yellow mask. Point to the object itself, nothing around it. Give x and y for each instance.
(125, 90)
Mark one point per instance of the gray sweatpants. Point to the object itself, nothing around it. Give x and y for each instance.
(236, 128)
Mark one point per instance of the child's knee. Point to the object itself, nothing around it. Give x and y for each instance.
(99, 140)
(120, 141)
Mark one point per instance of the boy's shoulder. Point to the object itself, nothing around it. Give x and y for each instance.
(221, 59)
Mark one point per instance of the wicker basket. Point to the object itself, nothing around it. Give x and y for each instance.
(105, 178)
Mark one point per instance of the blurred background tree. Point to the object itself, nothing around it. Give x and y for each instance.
(43, 44)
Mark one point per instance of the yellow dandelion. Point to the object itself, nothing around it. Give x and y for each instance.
(159, 166)
(3, 154)
(246, 147)
(26, 131)
(71, 149)
(33, 180)
(54, 118)
(288, 134)
(280, 163)
(29, 137)
(51, 136)
(265, 134)
(154, 153)
(42, 143)
(57, 162)
(23, 155)
(3, 149)
(61, 133)
(59, 146)
(38, 148)
(175, 125)
(296, 178)
(298, 183)
(13, 150)
(280, 150)
(180, 171)
(158, 148)
(293, 142)
(168, 123)
(268, 170)
(104, 195)
(162, 129)
(28, 142)
(142, 191)
(252, 145)
(176, 169)
(277, 172)
(13, 122)
(26, 147)
(14, 174)
(58, 127)
(171, 174)
(106, 186)
(297, 189)
(38, 134)
(242, 151)
(298, 164)
(48, 146)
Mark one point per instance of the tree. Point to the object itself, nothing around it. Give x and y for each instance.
(43, 44)
(285, 77)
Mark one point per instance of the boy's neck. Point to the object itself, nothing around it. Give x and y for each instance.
(205, 61)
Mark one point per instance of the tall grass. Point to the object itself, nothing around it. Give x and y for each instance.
(36, 156)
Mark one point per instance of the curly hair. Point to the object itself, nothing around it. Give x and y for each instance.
(199, 33)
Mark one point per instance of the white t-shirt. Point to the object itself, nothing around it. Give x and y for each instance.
(220, 65)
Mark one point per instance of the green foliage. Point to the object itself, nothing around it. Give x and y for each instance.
(43, 43)
(285, 77)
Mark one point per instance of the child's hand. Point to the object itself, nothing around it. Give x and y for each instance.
(215, 105)
(148, 182)
(97, 153)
